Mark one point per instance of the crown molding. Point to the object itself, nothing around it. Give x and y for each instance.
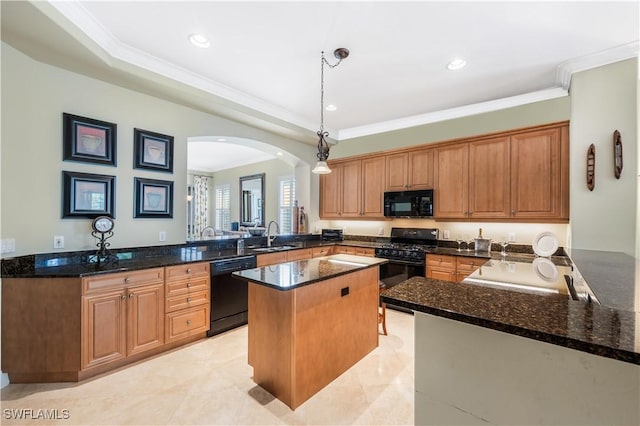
(451, 113)
(566, 69)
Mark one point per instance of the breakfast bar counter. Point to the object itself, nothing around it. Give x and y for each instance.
(310, 321)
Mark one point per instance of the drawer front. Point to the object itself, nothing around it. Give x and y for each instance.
(441, 261)
(344, 250)
(363, 251)
(184, 323)
(469, 264)
(441, 274)
(187, 285)
(271, 258)
(298, 254)
(120, 280)
(187, 300)
(321, 251)
(187, 270)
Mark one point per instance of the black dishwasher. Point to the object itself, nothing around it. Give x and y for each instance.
(228, 295)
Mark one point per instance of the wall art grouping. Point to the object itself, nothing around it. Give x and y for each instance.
(91, 195)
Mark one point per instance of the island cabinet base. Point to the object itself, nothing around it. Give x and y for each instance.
(466, 374)
(302, 339)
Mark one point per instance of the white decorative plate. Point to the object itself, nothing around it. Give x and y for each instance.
(545, 244)
(545, 269)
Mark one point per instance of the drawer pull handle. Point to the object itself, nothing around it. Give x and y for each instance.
(188, 322)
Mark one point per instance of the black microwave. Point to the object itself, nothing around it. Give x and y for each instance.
(409, 203)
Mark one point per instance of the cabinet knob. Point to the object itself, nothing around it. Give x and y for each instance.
(188, 270)
(513, 212)
(188, 299)
(130, 295)
(123, 297)
(188, 322)
(126, 280)
(188, 284)
(439, 259)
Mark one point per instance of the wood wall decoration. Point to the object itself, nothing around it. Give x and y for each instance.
(591, 167)
(617, 154)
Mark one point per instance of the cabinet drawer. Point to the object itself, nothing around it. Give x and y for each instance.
(121, 280)
(469, 264)
(187, 300)
(441, 274)
(321, 251)
(186, 322)
(187, 270)
(344, 250)
(441, 261)
(364, 251)
(187, 285)
(298, 254)
(271, 258)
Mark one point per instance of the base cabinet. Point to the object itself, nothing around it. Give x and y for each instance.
(451, 268)
(188, 303)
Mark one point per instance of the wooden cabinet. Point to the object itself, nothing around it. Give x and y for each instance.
(283, 256)
(122, 315)
(409, 170)
(522, 176)
(358, 251)
(187, 301)
(353, 189)
(451, 268)
(321, 251)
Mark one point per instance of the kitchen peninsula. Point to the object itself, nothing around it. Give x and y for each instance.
(310, 321)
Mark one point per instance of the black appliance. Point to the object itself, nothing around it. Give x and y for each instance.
(332, 235)
(406, 252)
(229, 296)
(409, 203)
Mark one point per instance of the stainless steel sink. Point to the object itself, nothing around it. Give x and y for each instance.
(274, 248)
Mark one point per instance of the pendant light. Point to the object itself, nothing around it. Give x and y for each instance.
(323, 147)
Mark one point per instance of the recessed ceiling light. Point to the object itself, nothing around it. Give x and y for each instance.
(331, 107)
(457, 64)
(222, 140)
(199, 40)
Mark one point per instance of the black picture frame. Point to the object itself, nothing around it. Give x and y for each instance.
(88, 140)
(88, 195)
(153, 198)
(152, 151)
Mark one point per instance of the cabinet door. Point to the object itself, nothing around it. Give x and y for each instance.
(145, 312)
(537, 187)
(351, 191)
(421, 169)
(331, 192)
(104, 328)
(441, 274)
(489, 196)
(451, 181)
(373, 184)
(397, 172)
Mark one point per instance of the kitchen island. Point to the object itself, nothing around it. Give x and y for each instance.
(310, 321)
(485, 354)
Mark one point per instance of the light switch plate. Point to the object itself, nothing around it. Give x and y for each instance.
(446, 234)
(162, 236)
(512, 237)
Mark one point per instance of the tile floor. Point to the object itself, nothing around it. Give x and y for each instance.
(209, 383)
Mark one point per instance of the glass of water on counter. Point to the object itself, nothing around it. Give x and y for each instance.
(459, 240)
(504, 242)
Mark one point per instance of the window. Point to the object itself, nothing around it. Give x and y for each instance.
(287, 197)
(223, 207)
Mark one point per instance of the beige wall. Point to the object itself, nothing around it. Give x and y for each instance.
(602, 100)
(34, 96)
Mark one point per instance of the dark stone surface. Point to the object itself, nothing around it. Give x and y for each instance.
(548, 318)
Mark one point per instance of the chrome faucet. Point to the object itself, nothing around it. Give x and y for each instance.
(270, 237)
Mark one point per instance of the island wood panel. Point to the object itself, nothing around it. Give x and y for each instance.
(302, 339)
(41, 329)
(489, 179)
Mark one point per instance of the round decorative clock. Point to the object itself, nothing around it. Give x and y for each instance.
(102, 224)
(102, 229)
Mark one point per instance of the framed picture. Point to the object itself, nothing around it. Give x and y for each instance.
(153, 198)
(88, 140)
(152, 151)
(87, 195)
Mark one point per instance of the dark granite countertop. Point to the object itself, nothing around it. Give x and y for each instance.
(548, 318)
(291, 275)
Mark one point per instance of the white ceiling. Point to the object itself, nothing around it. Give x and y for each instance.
(265, 56)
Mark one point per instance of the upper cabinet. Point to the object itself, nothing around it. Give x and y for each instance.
(353, 189)
(520, 177)
(410, 170)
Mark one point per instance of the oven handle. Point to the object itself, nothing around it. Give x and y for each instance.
(403, 262)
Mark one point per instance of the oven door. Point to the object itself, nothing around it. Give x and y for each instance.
(396, 271)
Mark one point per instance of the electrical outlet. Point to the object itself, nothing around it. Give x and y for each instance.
(381, 231)
(8, 245)
(512, 237)
(446, 234)
(162, 236)
(58, 242)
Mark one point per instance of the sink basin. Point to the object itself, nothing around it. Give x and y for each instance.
(274, 248)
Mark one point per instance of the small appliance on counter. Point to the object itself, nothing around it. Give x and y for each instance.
(332, 235)
(482, 244)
